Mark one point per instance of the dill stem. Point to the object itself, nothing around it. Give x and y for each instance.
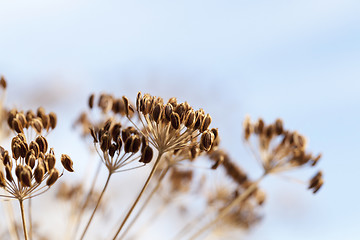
(23, 219)
(228, 208)
(140, 194)
(97, 205)
(30, 219)
(87, 200)
(163, 173)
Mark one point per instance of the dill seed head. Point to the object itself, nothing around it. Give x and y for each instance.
(34, 164)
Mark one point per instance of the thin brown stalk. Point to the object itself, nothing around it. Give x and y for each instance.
(30, 220)
(158, 184)
(97, 205)
(228, 208)
(23, 219)
(140, 194)
(86, 202)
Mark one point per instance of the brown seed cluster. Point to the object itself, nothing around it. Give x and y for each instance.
(30, 165)
(119, 147)
(173, 125)
(279, 149)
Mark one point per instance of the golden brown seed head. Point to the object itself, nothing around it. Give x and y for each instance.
(67, 162)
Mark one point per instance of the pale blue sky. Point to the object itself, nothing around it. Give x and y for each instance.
(298, 60)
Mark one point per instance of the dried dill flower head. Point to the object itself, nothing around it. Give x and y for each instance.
(173, 125)
(279, 149)
(29, 169)
(119, 147)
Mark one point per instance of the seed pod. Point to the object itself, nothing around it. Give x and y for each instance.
(50, 160)
(147, 155)
(6, 159)
(190, 119)
(11, 117)
(118, 106)
(40, 112)
(168, 111)
(39, 173)
(138, 101)
(115, 131)
(18, 171)
(279, 126)
(199, 119)
(105, 142)
(119, 143)
(125, 133)
(16, 125)
(144, 142)
(25, 176)
(156, 113)
(2, 180)
(91, 101)
(93, 134)
(135, 145)
(206, 140)
(259, 128)
(173, 101)
(180, 110)
(35, 147)
(205, 123)
(175, 120)
(29, 116)
(8, 173)
(112, 150)
(21, 117)
(16, 151)
(53, 120)
(53, 177)
(23, 149)
(3, 82)
(67, 162)
(42, 142)
(126, 105)
(128, 144)
(36, 123)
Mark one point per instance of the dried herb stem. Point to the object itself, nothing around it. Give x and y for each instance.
(140, 194)
(23, 219)
(97, 205)
(158, 184)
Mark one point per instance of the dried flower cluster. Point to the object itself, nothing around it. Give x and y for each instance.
(30, 164)
(170, 137)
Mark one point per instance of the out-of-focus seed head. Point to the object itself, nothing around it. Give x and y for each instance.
(3, 82)
(91, 101)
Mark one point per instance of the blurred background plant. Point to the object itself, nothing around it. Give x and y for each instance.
(294, 60)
